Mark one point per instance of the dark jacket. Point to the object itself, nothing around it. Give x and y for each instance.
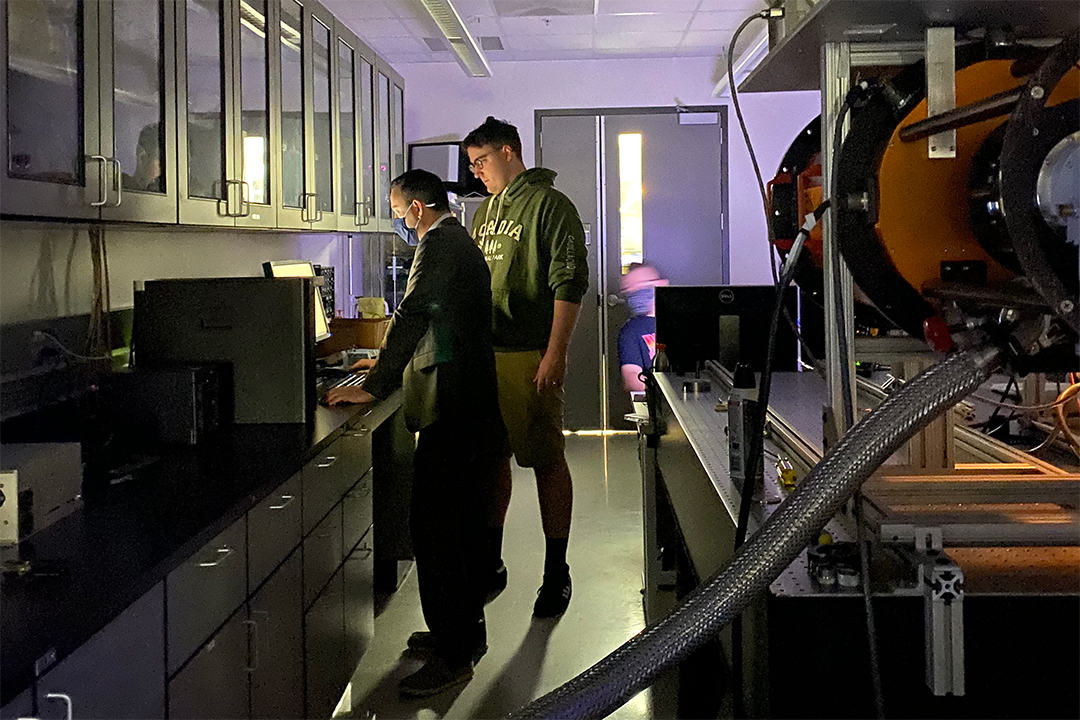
(534, 245)
(438, 346)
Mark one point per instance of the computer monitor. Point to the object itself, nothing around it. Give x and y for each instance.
(301, 268)
(450, 162)
(263, 329)
(726, 323)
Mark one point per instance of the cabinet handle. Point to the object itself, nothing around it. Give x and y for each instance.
(253, 642)
(223, 555)
(229, 184)
(245, 204)
(359, 210)
(118, 184)
(307, 207)
(65, 698)
(286, 499)
(329, 461)
(102, 187)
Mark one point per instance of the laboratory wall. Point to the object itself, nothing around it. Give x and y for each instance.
(443, 104)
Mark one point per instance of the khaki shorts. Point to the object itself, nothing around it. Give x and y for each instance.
(533, 420)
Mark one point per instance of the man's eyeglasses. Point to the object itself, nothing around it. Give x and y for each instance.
(478, 163)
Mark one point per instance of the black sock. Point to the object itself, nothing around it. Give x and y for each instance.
(555, 558)
(495, 539)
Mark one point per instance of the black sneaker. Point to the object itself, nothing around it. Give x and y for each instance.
(422, 642)
(435, 677)
(553, 597)
(496, 584)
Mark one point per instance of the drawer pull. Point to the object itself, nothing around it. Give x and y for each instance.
(223, 554)
(253, 643)
(328, 461)
(285, 500)
(65, 698)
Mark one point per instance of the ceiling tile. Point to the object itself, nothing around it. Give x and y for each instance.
(474, 7)
(545, 55)
(722, 21)
(713, 38)
(607, 7)
(624, 41)
(548, 42)
(380, 28)
(566, 25)
(426, 57)
(643, 23)
(388, 45)
(542, 8)
(347, 9)
(745, 7)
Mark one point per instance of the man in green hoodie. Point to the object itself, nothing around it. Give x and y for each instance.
(534, 244)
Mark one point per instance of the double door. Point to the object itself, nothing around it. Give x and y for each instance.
(88, 128)
(650, 186)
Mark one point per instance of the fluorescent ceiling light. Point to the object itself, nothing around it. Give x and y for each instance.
(468, 53)
(745, 63)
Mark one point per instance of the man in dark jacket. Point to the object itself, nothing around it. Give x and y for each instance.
(534, 244)
(438, 349)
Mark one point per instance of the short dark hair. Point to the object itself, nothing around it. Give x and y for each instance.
(423, 186)
(495, 133)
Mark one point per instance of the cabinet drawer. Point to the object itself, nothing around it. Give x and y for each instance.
(322, 554)
(359, 601)
(274, 530)
(118, 673)
(326, 673)
(214, 685)
(21, 707)
(357, 509)
(332, 473)
(204, 591)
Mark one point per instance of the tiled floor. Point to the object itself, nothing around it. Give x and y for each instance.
(528, 658)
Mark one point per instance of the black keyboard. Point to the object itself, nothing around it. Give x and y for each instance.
(326, 384)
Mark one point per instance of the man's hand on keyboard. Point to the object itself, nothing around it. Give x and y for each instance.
(363, 364)
(346, 395)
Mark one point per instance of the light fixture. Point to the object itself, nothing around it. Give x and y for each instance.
(463, 44)
(745, 63)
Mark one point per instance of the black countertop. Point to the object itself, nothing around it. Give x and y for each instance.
(127, 538)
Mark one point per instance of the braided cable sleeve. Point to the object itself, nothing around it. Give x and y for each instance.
(632, 667)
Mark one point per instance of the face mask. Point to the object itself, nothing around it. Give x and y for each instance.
(405, 232)
(641, 301)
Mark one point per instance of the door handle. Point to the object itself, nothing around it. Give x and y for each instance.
(223, 555)
(67, 701)
(253, 642)
(614, 301)
(286, 500)
(103, 196)
(118, 184)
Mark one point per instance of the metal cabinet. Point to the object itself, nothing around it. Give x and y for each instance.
(324, 650)
(204, 591)
(274, 529)
(354, 128)
(389, 138)
(277, 641)
(214, 684)
(118, 673)
(88, 120)
(305, 114)
(359, 601)
(225, 92)
(322, 554)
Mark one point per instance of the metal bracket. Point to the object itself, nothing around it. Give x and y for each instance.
(941, 86)
(943, 592)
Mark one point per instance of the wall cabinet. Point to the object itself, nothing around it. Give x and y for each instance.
(235, 113)
(88, 122)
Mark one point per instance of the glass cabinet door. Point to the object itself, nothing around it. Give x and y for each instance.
(49, 112)
(323, 199)
(352, 136)
(397, 129)
(255, 59)
(367, 142)
(138, 111)
(210, 192)
(291, 151)
(382, 152)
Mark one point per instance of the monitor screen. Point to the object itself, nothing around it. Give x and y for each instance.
(450, 162)
(301, 268)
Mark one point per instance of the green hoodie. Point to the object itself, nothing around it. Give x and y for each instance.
(534, 244)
